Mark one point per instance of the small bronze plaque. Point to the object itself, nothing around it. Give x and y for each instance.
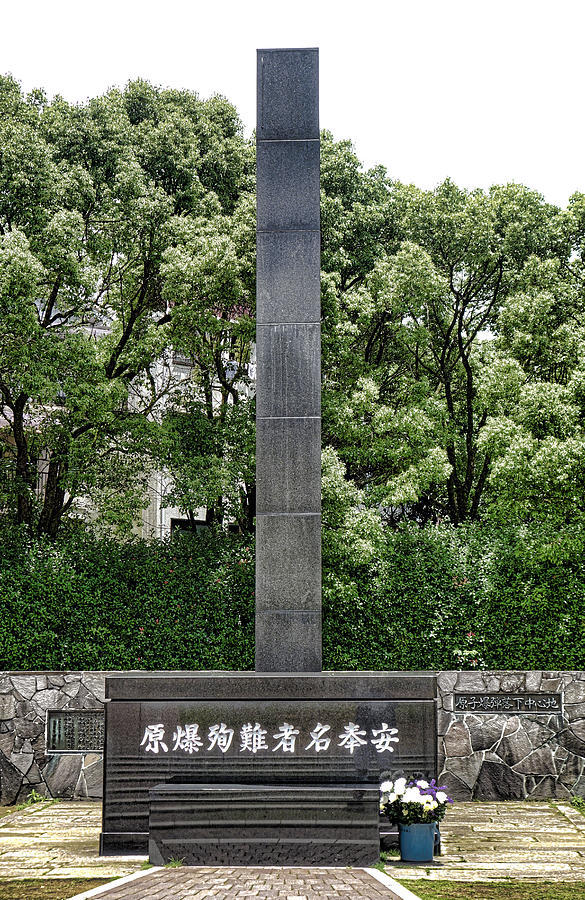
(80, 730)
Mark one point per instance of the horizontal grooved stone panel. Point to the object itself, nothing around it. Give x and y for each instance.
(289, 79)
(257, 821)
(288, 640)
(288, 465)
(176, 685)
(288, 563)
(287, 185)
(289, 370)
(288, 277)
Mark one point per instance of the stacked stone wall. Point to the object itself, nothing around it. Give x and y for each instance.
(481, 756)
(25, 765)
(512, 757)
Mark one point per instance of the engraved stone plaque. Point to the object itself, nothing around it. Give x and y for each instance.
(510, 704)
(75, 730)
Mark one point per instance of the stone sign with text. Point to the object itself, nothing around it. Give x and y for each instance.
(511, 704)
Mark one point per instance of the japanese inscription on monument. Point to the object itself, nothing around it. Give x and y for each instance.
(252, 738)
(512, 704)
(73, 730)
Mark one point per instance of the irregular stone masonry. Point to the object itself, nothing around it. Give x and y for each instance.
(512, 757)
(25, 698)
(481, 756)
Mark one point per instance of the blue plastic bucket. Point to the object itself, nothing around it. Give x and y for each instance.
(417, 842)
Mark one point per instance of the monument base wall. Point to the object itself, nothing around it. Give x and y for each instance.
(512, 735)
(263, 736)
(493, 755)
(283, 825)
(27, 762)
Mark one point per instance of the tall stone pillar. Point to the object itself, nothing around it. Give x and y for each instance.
(288, 388)
(271, 804)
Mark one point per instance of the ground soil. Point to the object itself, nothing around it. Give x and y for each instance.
(501, 890)
(46, 888)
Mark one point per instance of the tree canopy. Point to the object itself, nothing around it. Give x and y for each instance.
(454, 353)
(113, 215)
(453, 326)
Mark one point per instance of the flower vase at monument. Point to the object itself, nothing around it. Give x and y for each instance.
(417, 807)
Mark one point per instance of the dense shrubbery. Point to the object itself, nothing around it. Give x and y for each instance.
(86, 603)
(435, 597)
(473, 597)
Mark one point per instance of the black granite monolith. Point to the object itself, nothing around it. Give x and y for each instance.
(282, 765)
(288, 379)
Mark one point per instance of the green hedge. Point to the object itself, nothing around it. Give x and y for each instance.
(434, 598)
(475, 597)
(85, 603)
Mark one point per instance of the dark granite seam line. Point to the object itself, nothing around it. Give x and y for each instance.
(275, 50)
(284, 513)
(287, 140)
(285, 610)
(288, 230)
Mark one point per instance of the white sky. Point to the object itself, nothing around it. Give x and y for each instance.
(484, 92)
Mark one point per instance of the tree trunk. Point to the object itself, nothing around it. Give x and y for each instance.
(24, 471)
(54, 504)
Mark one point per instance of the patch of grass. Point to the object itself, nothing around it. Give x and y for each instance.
(385, 856)
(174, 863)
(47, 888)
(502, 890)
(578, 803)
(34, 797)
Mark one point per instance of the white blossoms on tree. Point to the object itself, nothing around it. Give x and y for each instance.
(317, 740)
(187, 738)
(287, 735)
(153, 738)
(384, 737)
(220, 736)
(252, 738)
(352, 737)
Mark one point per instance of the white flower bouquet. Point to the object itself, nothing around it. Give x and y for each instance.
(413, 802)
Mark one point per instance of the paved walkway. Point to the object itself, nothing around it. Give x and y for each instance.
(481, 842)
(57, 840)
(226, 883)
(497, 841)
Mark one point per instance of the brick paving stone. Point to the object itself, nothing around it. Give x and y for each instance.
(197, 883)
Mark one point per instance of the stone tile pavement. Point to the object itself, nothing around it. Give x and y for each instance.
(495, 841)
(481, 842)
(58, 840)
